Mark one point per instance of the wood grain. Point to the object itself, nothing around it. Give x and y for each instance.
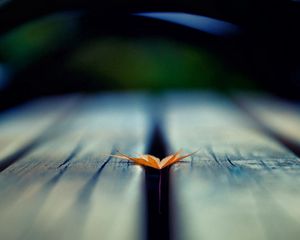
(277, 115)
(241, 184)
(22, 126)
(70, 188)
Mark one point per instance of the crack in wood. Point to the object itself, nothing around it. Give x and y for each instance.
(157, 192)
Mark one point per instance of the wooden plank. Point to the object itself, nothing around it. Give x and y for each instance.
(70, 188)
(21, 126)
(277, 115)
(241, 184)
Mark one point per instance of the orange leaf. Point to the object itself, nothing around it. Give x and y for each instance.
(154, 162)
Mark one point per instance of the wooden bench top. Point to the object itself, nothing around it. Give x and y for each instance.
(58, 180)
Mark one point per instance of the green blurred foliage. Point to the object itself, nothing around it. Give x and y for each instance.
(35, 39)
(117, 62)
(153, 63)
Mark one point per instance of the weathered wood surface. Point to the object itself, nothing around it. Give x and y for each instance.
(21, 126)
(277, 115)
(69, 187)
(62, 183)
(241, 184)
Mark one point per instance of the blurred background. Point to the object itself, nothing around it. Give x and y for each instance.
(57, 47)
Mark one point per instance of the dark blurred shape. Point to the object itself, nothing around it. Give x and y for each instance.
(4, 76)
(3, 2)
(55, 47)
(27, 53)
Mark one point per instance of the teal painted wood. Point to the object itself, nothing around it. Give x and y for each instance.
(280, 117)
(241, 184)
(24, 126)
(69, 187)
